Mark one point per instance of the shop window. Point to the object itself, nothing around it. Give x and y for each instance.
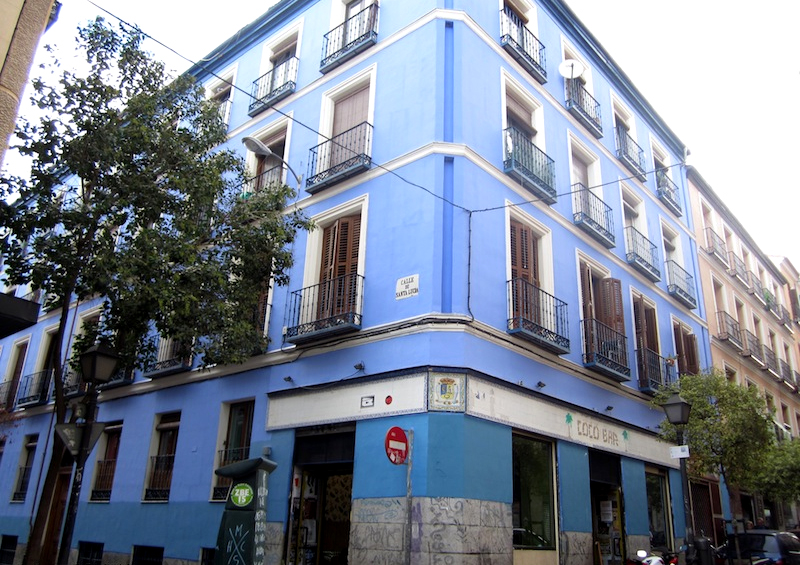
(656, 483)
(533, 515)
(90, 553)
(147, 555)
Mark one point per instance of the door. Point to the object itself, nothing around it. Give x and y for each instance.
(608, 534)
(338, 289)
(52, 533)
(526, 301)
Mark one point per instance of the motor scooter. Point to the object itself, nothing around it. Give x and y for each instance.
(663, 557)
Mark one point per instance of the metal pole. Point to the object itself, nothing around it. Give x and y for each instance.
(77, 480)
(687, 505)
(408, 494)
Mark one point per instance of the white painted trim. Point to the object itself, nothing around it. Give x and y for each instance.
(545, 236)
(280, 42)
(509, 84)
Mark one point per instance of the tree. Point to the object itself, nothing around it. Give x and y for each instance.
(729, 430)
(131, 199)
(776, 478)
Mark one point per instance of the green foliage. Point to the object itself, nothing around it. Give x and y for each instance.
(779, 469)
(729, 430)
(131, 199)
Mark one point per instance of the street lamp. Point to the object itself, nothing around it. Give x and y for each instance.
(260, 148)
(677, 411)
(98, 364)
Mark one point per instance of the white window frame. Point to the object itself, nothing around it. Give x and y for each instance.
(617, 107)
(675, 238)
(509, 86)
(570, 52)
(527, 10)
(575, 145)
(341, 91)
(227, 78)
(270, 130)
(634, 294)
(630, 198)
(278, 43)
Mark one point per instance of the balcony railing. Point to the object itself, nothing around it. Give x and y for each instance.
(104, 479)
(225, 110)
(329, 308)
(605, 350)
(74, 385)
(265, 179)
(785, 317)
(160, 477)
(538, 316)
(529, 165)
(17, 314)
(655, 371)
(593, 215)
(630, 153)
(273, 86)
(169, 359)
(120, 378)
(680, 284)
(226, 457)
(668, 192)
(23, 480)
(584, 107)
(715, 245)
(729, 329)
(34, 389)
(770, 361)
(350, 38)
(642, 253)
(8, 391)
(522, 44)
(339, 158)
(786, 371)
(737, 268)
(752, 347)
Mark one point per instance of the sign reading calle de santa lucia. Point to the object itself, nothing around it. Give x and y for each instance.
(406, 287)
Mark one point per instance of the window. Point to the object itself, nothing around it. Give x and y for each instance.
(162, 463)
(604, 342)
(236, 443)
(651, 366)
(359, 31)
(171, 357)
(279, 71)
(267, 169)
(25, 468)
(147, 555)
(656, 485)
(220, 91)
(578, 97)
(589, 211)
(11, 384)
(666, 188)
(730, 375)
(685, 349)
(347, 121)
(518, 36)
(90, 553)
(105, 467)
(680, 283)
(628, 151)
(533, 515)
(8, 547)
(639, 250)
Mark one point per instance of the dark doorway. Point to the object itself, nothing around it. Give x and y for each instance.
(608, 534)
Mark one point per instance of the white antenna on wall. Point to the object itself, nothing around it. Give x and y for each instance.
(571, 68)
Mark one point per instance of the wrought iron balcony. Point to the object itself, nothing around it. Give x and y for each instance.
(225, 110)
(169, 359)
(522, 44)
(17, 314)
(8, 391)
(796, 377)
(680, 284)
(729, 329)
(755, 288)
(329, 308)
(23, 480)
(273, 86)
(772, 304)
(642, 253)
(605, 350)
(655, 371)
(752, 347)
(121, 378)
(786, 372)
(630, 153)
(538, 316)
(786, 317)
(339, 158)
(103, 480)
(584, 107)
(668, 192)
(770, 361)
(593, 215)
(34, 389)
(74, 385)
(737, 268)
(529, 165)
(265, 179)
(715, 245)
(352, 37)
(226, 457)
(160, 477)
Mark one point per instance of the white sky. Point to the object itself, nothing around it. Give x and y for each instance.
(725, 78)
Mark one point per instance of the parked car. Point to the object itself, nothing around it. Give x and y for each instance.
(760, 547)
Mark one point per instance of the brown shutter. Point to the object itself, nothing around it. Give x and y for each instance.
(524, 254)
(610, 308)
(680, 352)
(586, 292)
(340, 243)
(651, 335)
(351, 111)
(690, 347)
(22, 349)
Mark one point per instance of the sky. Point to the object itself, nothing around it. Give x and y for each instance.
(725, 78)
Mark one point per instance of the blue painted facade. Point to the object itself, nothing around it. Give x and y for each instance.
(435, 205)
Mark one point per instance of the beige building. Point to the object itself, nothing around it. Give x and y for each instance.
(22, 23)
(750, 303)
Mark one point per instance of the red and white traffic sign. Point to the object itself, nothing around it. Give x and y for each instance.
(396, 445)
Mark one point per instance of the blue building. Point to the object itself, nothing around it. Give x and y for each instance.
(504, 267)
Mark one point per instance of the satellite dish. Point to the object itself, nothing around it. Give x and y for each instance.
(571, 68)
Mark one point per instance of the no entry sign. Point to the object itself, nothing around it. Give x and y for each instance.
(396, 445)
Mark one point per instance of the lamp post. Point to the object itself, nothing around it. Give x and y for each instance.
(677, 411)
(260, 148)
(97, 367)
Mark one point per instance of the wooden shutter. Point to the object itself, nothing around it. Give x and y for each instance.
(651, 333)
(524, 253)
(640, 321)
(610, 308)
(680, 352)
(340, 245)
(351, 111)
(587, 296)
(690, 349)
